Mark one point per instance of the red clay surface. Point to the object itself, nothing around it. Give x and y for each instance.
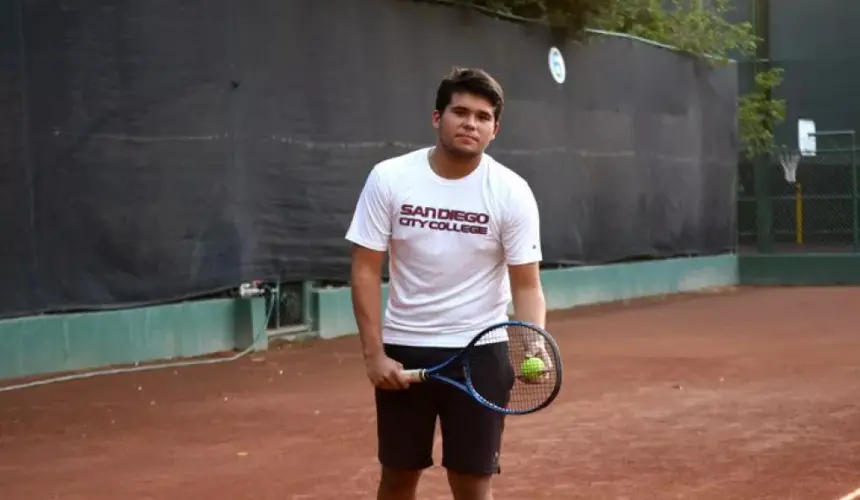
(748, 394)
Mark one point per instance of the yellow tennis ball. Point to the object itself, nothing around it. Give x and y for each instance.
(532, 368)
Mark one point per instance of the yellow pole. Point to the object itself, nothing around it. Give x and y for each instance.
(798, 213)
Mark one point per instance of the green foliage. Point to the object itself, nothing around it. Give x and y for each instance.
(685, 24)
(571, 16)
(757, 111)
(697, 27)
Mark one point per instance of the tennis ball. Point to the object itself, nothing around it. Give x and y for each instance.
(532, 368)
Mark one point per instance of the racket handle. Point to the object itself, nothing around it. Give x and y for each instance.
(413, 376)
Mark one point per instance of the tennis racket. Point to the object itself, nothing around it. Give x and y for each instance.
(532, 371)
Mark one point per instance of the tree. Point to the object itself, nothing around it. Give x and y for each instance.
(702, 29)
(697, 27)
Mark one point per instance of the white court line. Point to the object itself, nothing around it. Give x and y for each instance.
(852, 496)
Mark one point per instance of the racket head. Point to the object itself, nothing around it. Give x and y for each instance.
(529, 348)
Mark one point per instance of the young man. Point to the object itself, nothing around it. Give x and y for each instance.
(463, 237)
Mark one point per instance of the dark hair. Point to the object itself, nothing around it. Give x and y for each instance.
(470, 81)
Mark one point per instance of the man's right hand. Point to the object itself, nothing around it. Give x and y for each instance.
(385, 373)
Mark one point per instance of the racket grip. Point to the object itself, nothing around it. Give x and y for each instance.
(413, 376)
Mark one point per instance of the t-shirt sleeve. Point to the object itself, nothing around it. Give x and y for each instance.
(371, 221)
(521, 228)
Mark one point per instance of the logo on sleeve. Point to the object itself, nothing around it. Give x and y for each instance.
(443, 219)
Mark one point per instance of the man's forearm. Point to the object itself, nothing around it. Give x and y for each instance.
(530, 305)
(367, 306)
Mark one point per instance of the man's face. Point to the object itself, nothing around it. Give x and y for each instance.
(466, 126)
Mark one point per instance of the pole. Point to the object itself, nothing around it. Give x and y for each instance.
(764, 209)
(798, 213)
(855, 231)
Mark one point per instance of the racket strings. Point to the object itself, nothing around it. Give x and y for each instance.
(523, 382)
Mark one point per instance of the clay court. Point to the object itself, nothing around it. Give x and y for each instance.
(741, 394)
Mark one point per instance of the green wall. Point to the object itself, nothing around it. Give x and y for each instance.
(823, 269)
(68, 342)
(565, 288)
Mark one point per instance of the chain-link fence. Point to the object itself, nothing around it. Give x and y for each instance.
(816, 211)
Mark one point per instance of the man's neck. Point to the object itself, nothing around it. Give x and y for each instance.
(451, 167)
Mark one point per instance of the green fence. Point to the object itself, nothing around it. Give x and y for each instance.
(819, 212)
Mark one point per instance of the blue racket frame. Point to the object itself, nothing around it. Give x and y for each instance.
(432, 373)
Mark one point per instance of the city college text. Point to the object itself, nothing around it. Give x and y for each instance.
(443, 219)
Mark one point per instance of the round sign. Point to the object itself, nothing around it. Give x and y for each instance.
(556, 65)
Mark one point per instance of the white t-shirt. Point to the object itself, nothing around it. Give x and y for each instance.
(449, 243)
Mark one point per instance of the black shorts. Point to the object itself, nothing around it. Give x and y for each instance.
(471, 433)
